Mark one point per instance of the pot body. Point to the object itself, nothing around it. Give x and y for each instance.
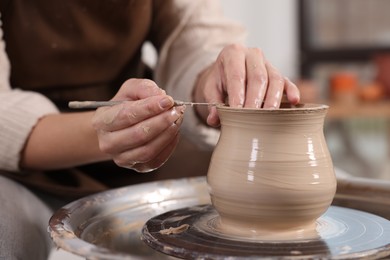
(271, 169)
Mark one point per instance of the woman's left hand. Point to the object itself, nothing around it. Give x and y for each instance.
(244, 78)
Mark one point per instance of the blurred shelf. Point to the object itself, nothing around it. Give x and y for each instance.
(356, 32)
(339, 111)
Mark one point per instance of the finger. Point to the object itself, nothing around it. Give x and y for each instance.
(135, 89)
(292, 92)
(275, 87)
(209, 89)
(152, 149)
(160, 159)
(232, 70)
(214, 94)
(129, 113)
(213, 118)
(138, 135)
(256, 78)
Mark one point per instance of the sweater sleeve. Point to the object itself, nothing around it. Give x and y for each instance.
(19, 113)
(193, 44)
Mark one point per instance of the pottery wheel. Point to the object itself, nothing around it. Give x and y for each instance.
(343, 234)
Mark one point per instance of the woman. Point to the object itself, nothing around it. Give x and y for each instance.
(57, 51)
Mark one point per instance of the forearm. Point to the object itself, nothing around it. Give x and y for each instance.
(61, 141)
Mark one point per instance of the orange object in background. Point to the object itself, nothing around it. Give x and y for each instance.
(372, 92)
(344, 87)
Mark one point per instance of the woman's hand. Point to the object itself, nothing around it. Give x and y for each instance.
(244, 78)
(142, 132)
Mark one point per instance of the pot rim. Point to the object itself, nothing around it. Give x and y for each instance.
(285, 108)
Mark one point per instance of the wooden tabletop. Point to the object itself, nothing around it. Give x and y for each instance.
(360, 109)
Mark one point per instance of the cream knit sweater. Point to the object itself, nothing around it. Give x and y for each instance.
(194, 44)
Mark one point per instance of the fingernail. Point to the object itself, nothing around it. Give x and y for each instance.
(182, 109)
(179, 121)
(166, 102)
(177, 111)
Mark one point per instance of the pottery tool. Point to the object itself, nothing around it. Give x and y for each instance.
(97, 104)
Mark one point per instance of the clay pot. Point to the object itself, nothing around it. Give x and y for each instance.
(271, 170)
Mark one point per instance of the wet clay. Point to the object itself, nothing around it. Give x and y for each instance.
(174, 231)
(271, 175)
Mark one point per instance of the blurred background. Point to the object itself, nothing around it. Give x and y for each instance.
(338, 53)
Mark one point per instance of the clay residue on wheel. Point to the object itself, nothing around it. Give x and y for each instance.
(174, 230)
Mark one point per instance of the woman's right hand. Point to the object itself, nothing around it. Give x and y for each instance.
(142, 132)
